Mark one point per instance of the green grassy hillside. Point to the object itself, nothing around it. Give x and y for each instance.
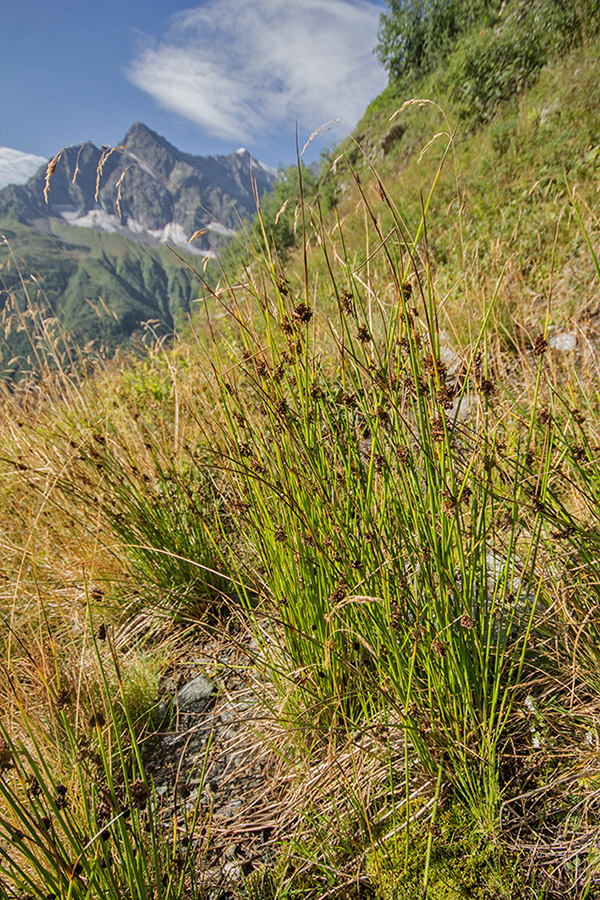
(98, 286)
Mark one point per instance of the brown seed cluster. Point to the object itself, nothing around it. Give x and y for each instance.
(544, 416)
(439, 648)
(486, 387)
(449, 503)
(139, 794)
(302, 313)
(347, 301)
(445, 396)
(286, 326)
(403, 455)
(437, 429)
(340, 592)
(6, 758)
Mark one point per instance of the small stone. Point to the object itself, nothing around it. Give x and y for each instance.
(194, 696)
(565, 341)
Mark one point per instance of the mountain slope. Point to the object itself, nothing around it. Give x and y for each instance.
(96, 254)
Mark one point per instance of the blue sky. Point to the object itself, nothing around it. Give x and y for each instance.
(210, 76)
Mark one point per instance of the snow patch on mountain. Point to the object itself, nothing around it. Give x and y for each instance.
(100, 220)
(220, 229)
(268, 169)
(17, 167)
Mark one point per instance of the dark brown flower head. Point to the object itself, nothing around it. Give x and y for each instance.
(347, 301)
(245, 450)
(422, 386)
(544, 416)
(302, 313)
(439, 648)
(61, 799)
(379, 462)
(139, 794)
(184, 790)
(437, 429)
(405, 345)
(407, 290)
(486, 387)
(340, 592)
(283, 286)
(540, 345)
(445, 396)
(432, 365)
(363, 334)
(402, 455)
(280, 535)
(579, 453)
(286, 326)
(467, 622)
(282, 407)
(6, 757)
(449, 503)
(34, 789)
(102, 632)
(395, 615)
(346, 399)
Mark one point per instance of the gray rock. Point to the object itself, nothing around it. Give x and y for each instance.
(194, 696)
(564, 341)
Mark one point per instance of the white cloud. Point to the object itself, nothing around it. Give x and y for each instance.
(17, 167)
(244, 70)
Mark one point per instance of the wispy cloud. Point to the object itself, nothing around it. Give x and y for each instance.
(17, 167)
(246, 70)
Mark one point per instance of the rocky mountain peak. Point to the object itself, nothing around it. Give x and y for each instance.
(164, 195)
(151, 148)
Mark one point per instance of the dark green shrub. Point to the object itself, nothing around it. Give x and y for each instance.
(489, 69)
(415, 35)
